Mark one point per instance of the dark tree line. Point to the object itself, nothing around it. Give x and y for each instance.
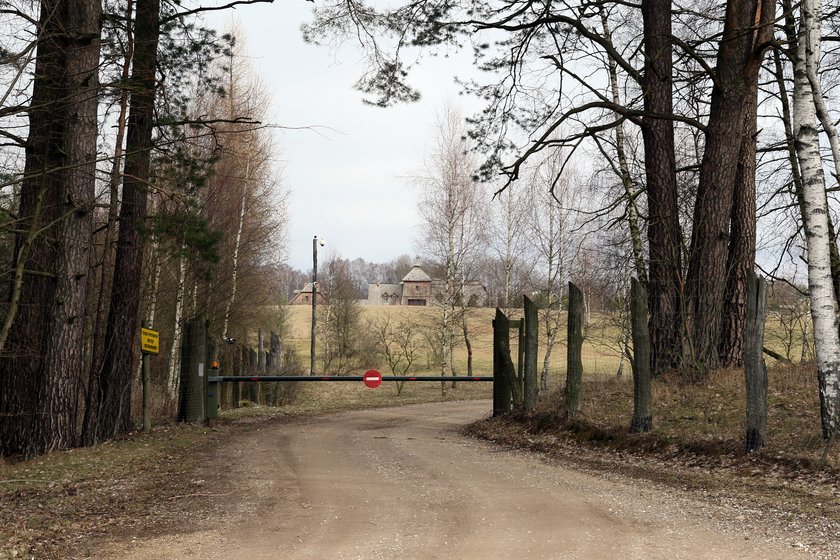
(64, 357)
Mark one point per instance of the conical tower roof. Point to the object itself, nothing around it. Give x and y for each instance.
(416, 274)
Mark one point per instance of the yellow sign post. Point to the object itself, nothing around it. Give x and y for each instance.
(149, 341)
(149, 344)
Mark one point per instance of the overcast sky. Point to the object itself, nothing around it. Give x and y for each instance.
(349, 178)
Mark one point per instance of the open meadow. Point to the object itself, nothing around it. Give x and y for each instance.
(601, 354)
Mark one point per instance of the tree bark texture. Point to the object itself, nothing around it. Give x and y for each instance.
(574, 362)
(815, 219)
(755, 371)
(532, 324)
(42, 361)
(664, 238)
(252, 389)
(106, 265)
(642, 408)
(501, 389)
(741, 257)
(748, 28)
(123, 317)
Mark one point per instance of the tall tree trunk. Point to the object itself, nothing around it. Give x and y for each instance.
(741, 258)
(174, 376)
(100, 319)
(823, 303)
(748, 27)
(42, 361)
(123, 318)
(664, 270)
(626, 177)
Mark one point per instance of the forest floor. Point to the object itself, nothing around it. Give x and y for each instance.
(63, 504)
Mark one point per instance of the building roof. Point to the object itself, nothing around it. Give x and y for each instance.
(416, 274)
(379, 291)
(306, 289)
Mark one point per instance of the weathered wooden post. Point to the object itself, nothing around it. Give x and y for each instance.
(531, 330)
(236, 368)
(501, 392)
(755, 371)
(253, 387)
(149, 346)
(274, 366)
(262, 359)
(506, 387)
(642, 410)
(574, 361)
(193, 365)
(520, 355)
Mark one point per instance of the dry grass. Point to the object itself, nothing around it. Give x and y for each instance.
(600, 357)
(711, 416)
(697, 441)
(52, 503)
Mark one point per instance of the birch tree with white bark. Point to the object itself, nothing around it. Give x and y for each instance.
(552, 223)
(452, 209)
(815, 214)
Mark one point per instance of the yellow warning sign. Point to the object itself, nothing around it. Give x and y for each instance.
(150, 341)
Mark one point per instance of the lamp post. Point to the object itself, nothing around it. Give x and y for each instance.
(315, 243)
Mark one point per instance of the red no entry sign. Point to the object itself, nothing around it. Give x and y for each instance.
(372, 378)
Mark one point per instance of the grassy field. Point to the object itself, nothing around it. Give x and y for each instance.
(598, 358)
(601, 347)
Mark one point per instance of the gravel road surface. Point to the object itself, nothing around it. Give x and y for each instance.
(402, 483)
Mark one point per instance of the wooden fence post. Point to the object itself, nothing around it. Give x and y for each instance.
(236, 366)
(520, 355)
(574, 361)
(273, 366)
(253, 391)
(755, 371)
(193, 371)
(531, 322)
(642, 410)
(501, 392)
(504, 371)
(262, 359)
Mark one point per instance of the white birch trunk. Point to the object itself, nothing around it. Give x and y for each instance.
(153, 289)
(815, 218)
(174, 375)
(236, 246)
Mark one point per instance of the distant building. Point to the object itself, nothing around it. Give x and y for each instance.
(419, 289)
(304, 296)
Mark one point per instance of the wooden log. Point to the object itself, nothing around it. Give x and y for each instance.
(642, 409)
(574, 360)
(530, 384)
(755, 370)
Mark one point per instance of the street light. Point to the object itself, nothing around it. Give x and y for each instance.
(315, 243)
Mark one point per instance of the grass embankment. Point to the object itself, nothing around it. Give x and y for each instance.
(697, 441)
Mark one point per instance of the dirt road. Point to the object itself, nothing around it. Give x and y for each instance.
(402, 483)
